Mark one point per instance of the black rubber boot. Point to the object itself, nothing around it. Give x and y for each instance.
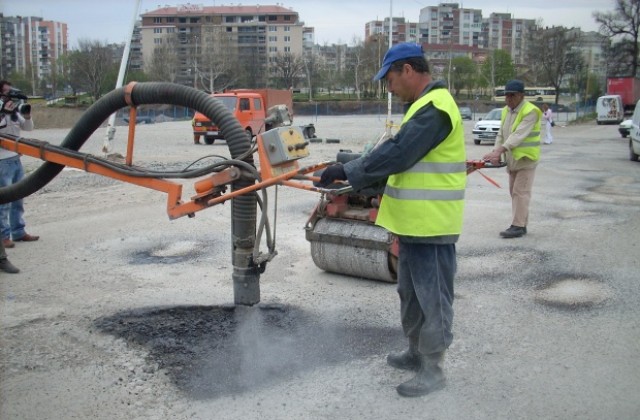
(429, 378)
(408, 359)
(7, 267)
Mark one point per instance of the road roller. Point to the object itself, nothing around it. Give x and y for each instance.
(344, 237)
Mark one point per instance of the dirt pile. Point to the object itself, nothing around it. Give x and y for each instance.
(46, 117)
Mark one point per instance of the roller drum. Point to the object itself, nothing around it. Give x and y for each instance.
(354, 248)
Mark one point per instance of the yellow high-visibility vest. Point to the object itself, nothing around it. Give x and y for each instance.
(530, 147)
(428, 199)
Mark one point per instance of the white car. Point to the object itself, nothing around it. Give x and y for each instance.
(487, 128)
(625, 127)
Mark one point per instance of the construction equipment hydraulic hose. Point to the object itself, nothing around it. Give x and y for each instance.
(243, 229)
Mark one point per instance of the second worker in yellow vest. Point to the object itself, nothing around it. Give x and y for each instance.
(519, 141)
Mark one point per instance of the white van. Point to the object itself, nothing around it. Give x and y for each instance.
(609, 109)
(634, 135)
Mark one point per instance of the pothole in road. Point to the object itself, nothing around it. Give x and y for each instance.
(575, 214)
(614, 190)
(212, 351)
(168, 253)
(573, 293)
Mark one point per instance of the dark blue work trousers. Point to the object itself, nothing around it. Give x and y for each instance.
(425, 286)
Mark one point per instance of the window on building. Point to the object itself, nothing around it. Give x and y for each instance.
(182, 20)
(273, 39)
(287, 28)
(194, 20)
(157, 41)
(273, 28)
(157, 30)
(262, 18)
(287, 39)
(245, 19)
(287, 49)
(157, 20)
(230, 19)
(170, 20)
(273, 49)
(273, 18)
(287, 17)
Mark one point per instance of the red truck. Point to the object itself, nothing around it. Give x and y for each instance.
(249, 106)
(628, 88)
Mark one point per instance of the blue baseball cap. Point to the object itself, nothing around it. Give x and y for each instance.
(514, 86)
(399, 52)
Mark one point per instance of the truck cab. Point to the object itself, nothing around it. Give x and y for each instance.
(247, 107)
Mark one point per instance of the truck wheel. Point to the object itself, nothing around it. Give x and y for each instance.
(209, 139)
(632, 155)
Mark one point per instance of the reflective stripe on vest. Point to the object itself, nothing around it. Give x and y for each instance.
(428, 199)
(530, 146)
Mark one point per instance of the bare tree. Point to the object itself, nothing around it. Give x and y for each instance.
(550, 47)
(91, 64)
(288, 67)
(358, 62)
(163, 66)
(623, 25)
(217, 60)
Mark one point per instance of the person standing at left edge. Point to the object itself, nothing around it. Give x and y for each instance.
(12, 121)
(423, 203)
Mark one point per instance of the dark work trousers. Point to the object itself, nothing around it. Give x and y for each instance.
(425, 286)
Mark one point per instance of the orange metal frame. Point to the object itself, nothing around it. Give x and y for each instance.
(209, 189)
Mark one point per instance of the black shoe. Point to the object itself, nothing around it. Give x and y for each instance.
(7, 267)
(429, 378)
(514, 232)
(407, 360)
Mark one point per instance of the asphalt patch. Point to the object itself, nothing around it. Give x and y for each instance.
(213, 351)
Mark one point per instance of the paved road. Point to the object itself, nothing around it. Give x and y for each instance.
(119, 313)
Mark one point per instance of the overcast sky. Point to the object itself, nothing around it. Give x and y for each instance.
(334, 20)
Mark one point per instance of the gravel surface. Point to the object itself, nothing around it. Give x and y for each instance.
(120, 313)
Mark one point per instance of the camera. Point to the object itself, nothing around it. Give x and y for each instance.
(20, 101)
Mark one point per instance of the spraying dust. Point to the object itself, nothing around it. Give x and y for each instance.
(214, 351)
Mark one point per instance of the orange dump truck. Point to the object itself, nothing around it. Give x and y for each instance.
(249, 106)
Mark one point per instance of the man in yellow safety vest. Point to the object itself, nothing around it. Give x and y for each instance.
(425, 168)
(519, 140)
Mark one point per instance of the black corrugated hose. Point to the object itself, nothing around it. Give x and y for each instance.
(246, 275)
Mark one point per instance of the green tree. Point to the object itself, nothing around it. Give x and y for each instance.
(497, 69)
(622, 26)
(462, 71)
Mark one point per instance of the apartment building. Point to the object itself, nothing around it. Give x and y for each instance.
(501, 31)
(401, 30)
(252, 36)
(448, 23)
(32, 46)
